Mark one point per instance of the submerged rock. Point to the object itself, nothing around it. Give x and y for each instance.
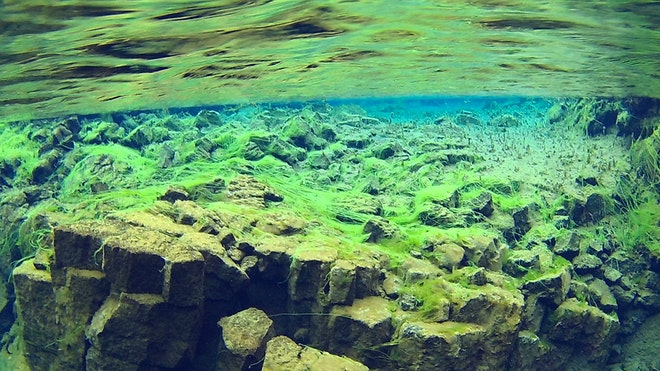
(379, 229)
(447, 255)
(482, 204)
(283, 354)
(360, 328)
(519, 262)
(439, 346)
(246, 190)
(567, 245)
(244, 338)
(358, 208)
(589, 331)
(586, 263)
(36, 300)
(484, 251)
(142, 329)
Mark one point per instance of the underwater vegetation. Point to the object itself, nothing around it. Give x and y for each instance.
(524, 232)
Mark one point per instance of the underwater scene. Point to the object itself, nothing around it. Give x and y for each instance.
(329, 185)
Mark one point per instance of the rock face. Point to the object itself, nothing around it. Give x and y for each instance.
(143, 292)
(440, 346)
(359, 329)
(179, 288)
(35, 299)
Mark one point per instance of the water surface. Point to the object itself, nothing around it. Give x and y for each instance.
(70, 57)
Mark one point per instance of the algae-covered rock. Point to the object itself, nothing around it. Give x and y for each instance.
(341, 282)
(587, 329)
(447, 255)
(439, 346)
(521, 222)
(482, 204)
(567, 245)
(173, 193)
(519, 262)
(36, 302)
(604, 298)
(143, 261)
(283, 354)
(144, 135)
(552, 285)
(532, 353)
(378, 229)
(319, 160)
(358, 329)
(281, 223)
(484, 251)
(498, 311)
(80, 245)
(387, 150)
(47, 166)
(439, 216)
(222, 276)
(81, 296)
(414, 270)
(357, 208)
(286, 152)
(246, 190)
(590, 210)
(586, 263)
(303, 133)
(244, 338)
(142, 329)
(207, 118)
(308, 272)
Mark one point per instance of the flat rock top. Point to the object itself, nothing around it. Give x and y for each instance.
(137, 239)
(283, 354)
(371, 310)
(326, 255)
(444, 330)
(27, 269)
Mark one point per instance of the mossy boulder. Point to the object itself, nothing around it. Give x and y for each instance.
(587, 329)
(304, 133)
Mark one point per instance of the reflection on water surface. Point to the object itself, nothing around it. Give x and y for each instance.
(95, 56)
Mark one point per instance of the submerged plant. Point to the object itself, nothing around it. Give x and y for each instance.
(645, 156)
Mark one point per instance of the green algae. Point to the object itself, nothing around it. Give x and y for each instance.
(135, 181)
(18, 149)
(645, 156)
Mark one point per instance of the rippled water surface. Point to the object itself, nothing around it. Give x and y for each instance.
(64, 57)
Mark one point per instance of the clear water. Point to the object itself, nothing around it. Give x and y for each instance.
(480, 82)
